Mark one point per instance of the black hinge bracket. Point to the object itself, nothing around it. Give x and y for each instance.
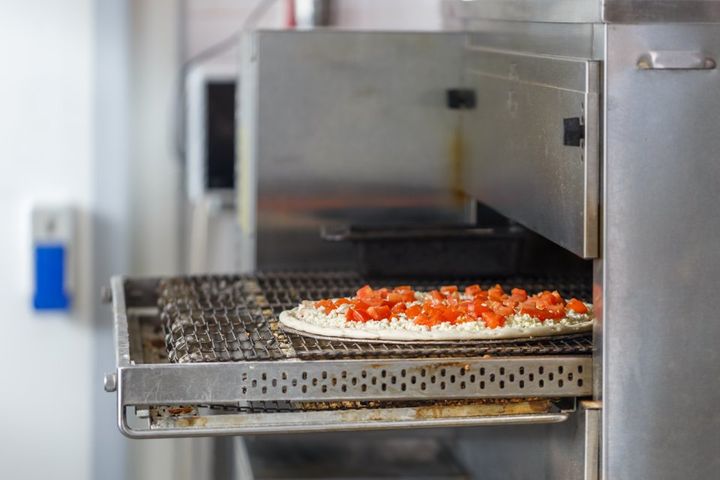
(573, 132)
(461, 99)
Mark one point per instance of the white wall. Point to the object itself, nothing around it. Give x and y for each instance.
(46, 138)
(208, 21)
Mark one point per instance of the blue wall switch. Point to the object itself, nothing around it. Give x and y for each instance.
(53, 239)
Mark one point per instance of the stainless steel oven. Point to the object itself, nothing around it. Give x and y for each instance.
(575, 138)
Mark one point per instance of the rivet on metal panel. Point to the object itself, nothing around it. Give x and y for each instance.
(110, 382)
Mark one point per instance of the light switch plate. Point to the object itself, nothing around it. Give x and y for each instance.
(53, 242)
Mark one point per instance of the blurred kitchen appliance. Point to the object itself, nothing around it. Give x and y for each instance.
(588, 123)
(211, 130)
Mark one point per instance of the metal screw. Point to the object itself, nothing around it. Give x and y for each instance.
(110, 382)
(106, 294)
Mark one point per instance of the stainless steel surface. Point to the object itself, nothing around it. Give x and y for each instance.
(542, 452)
(566, 11)
(593, 11)
(593, 430)
(675, 60)
(549, 187)
(661, 264)
(578, 40)
(366, 456)
(308, 160)
(448, 378)
(344, 420)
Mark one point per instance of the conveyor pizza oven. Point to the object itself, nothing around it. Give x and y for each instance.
(551, 145)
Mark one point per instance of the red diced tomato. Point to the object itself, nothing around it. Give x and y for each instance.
(448, 289)
(394, 297)
(577, 306)
(493, 320)
(413, 311)
(424, 320)
(504, 310)
(472, 290)
(437, 296)
(518, 294)
(479, 308)
(357, 315)
(326, 305)
(398, 308)
(408, 296)
(379, 312)
(450, 315)
(541, 312)
(341, 301)
(496, 293)
(365, 291)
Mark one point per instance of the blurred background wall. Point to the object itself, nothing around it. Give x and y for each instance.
(87, 106)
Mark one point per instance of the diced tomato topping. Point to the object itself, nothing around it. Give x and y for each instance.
(550, 312)
(496, 293)
(327, 305)
(437, 296)
(379, 312)
(365, 291)
(447, 305)
(394, 297)
(341, 301)
(357, 315)
(472, 290)
(450, 315)
(448, 289)
(577, 306)
(493, 320)
(504, 310)
(425, 320)
(550, 298)
(398, 308)
(465, 319)
(413, 311)
(408, 296)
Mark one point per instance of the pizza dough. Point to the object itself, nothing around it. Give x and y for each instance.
(307, 318)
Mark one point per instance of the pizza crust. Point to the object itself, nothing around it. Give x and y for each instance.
(292, 319)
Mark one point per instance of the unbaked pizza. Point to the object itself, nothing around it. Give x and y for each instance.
(449, 313)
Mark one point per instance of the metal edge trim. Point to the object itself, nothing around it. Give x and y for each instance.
(122, 336)
(530, 419)
(592, 160)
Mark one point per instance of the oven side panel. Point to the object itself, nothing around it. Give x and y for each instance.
(661, 261)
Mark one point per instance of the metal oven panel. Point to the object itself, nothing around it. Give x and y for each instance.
(309, 161)
(533, 143)
(591, 11)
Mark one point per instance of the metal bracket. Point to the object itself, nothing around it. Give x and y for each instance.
(461, 99)
(573, 132)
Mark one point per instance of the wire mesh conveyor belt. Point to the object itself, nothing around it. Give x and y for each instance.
(234, 318)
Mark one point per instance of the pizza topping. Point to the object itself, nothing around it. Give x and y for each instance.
(577, 306)
(448, 306)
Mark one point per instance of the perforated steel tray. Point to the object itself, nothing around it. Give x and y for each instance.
(201, 341)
